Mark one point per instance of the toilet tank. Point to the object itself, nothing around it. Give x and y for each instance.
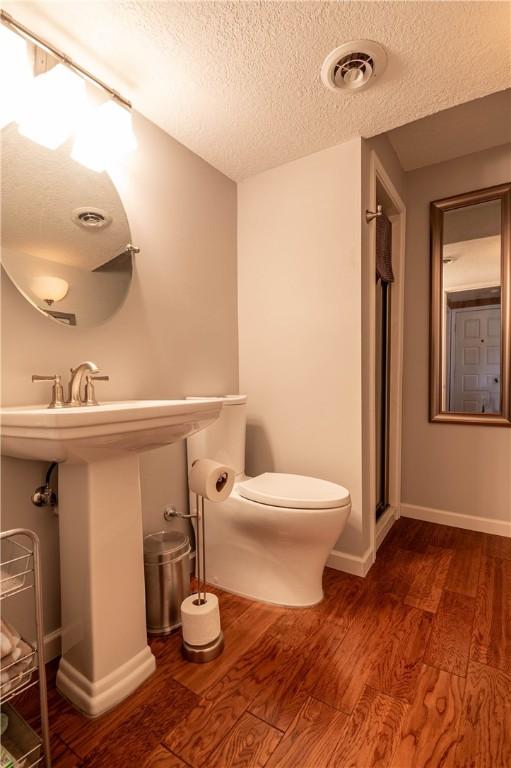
(224, 440)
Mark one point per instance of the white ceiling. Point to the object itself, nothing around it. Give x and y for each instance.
(454, 132)
(238, 82)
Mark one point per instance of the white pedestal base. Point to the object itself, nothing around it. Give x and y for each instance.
(94, 699)
(105, 655)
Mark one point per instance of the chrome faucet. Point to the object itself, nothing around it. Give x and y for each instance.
(86, 370)
(75, 382)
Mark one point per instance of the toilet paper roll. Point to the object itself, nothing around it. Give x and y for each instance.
(200, 623)
(211, 480)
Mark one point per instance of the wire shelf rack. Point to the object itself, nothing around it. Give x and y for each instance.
(16, 564)
(20, 673)
(20, 571)
(24, 744)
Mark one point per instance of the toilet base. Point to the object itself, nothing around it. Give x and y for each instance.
(266, 600)
(271, 554)
(201, 654)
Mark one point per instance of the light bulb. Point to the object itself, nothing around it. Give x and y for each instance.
(53, 106)
(17, 74)
(105, 136)
(50, 289)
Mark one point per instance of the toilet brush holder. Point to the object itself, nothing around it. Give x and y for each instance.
(203, 639)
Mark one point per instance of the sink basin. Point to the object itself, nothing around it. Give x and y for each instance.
(105, 655)
(101, 431)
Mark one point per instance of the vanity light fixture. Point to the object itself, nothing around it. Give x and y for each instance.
(53, 104)
(14, 60)
(50, 289)
(105, 136)
(54, 107)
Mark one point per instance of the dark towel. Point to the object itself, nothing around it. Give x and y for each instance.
(384, 249)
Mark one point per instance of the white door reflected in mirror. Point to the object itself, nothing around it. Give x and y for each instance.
(471, 280)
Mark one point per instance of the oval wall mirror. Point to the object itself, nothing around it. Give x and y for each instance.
(65, 234)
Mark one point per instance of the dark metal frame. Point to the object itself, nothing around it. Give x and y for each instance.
(500, 192)
(384, 384)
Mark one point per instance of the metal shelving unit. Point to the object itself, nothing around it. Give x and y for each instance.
(20, 570)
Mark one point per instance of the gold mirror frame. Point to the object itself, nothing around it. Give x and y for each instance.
(500, 192)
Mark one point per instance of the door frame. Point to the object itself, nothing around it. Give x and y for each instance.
(377, 531)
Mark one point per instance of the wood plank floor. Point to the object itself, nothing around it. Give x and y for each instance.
(407, 668)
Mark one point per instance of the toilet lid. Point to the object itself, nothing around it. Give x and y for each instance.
(293, 491)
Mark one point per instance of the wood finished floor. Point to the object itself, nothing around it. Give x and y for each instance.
(408, 668)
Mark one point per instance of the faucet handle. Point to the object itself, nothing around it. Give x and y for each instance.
(57, 392)
(90, 395)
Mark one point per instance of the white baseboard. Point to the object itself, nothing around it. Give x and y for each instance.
(384, 524)
(470, 522)
(53, 644)
(357, 565)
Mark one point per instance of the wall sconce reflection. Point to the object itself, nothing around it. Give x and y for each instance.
(50, 289)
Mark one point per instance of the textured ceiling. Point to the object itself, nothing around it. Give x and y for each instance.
(238, 82)
(454, 132)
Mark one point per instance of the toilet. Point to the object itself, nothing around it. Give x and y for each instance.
(271, 538)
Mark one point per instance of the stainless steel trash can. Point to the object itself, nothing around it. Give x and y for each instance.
(167, 579)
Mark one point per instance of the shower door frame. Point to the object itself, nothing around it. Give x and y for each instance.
(378, 530)
(383, 389)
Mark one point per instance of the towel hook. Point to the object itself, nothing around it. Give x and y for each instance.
(370, 215)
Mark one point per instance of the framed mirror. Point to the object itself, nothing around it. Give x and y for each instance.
(470, 359)
(65, 234)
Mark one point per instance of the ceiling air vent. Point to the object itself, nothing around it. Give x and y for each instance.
(352, 66)
(90, 218)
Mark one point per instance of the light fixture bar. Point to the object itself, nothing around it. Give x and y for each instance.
(8, 20)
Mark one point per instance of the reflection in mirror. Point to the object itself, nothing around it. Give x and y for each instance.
(470, 307)
(471, 275)
(65, 235)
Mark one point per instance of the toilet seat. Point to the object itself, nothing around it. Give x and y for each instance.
(276, 489)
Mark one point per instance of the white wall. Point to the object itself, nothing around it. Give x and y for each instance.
(175, 335)
(299, 307)
(457, 468)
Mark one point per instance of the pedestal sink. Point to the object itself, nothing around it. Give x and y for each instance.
(105, 655)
